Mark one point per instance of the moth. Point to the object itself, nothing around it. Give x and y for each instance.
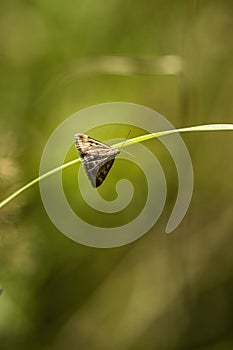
(97, 158)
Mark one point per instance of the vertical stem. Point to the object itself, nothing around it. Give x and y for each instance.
(189, 74)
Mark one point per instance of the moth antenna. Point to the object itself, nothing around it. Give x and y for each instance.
(121, 150)
(126, 139)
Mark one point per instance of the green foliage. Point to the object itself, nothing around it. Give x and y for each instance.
(161, 292)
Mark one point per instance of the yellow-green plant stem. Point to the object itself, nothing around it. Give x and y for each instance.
(209, 127)
(35, 181)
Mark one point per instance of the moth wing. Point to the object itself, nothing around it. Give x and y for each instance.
(98, 168)
(103, 172)
(97, 158)
(85, 144)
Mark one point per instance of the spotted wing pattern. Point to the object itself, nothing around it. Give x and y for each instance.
(97, 158)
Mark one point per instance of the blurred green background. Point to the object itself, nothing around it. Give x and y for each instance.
(162, 291)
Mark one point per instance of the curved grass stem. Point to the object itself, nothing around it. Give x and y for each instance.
(209, 127)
